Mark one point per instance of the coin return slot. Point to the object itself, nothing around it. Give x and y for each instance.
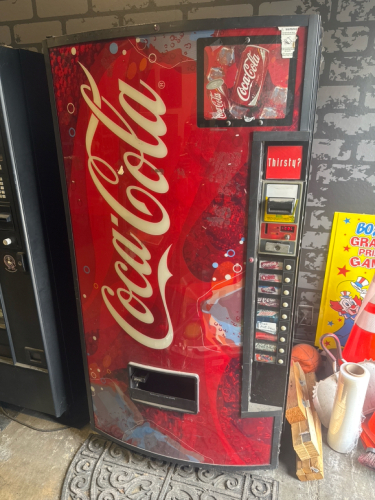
(165, 389)
(36, 357)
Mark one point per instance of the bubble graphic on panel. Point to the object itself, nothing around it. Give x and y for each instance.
(86, 269)
(72, 132)
(73, 51)
(237, 268)
(141, 43)
(230, 253)
(71, 108)
(215, 265)
(113, 48)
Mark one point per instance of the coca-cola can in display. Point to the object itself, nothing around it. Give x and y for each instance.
(218, 96)
(270, 277)
(271, 264)
(252, 70)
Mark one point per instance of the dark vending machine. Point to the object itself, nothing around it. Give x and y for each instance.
(40, 358)
(184, 156)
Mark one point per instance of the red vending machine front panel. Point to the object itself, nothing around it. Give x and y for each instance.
(156, 133)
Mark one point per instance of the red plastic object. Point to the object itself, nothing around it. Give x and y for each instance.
(361, 341)
(371, 423)
(365, 439)
(368, 432)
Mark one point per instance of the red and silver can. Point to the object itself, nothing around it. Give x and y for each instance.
(251, 73)
(217, 93)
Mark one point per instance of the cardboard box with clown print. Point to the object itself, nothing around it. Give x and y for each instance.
(350, 268)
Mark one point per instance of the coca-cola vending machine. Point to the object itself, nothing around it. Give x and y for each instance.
(184, 156)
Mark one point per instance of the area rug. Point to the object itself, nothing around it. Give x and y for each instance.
(102, 470)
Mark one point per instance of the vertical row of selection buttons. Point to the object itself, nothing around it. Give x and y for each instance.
(2, 188)
(285, 324)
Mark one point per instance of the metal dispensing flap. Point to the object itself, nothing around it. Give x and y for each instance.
(281, 205)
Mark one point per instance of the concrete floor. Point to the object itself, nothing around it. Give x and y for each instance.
(33, 465)
(345, 478)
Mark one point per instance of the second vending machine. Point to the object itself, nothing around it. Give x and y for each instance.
(184, 156)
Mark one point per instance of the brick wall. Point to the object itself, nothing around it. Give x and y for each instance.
(343, 163)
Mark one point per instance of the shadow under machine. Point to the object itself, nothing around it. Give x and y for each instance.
(184, 156)
(40, 354)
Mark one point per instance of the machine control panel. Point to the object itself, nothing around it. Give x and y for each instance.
(281, 216)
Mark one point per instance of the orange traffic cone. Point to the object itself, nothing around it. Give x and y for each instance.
(371, 424)
(361, 342)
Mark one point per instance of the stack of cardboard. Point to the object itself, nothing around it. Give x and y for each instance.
(306, 426)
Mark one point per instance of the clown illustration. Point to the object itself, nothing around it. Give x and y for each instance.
(360, 285)
(348, 307)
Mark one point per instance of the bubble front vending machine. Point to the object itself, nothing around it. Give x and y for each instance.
(184, 156)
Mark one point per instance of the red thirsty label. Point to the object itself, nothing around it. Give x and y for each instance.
(284, 162)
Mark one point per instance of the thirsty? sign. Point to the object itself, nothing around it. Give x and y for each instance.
(284, 162)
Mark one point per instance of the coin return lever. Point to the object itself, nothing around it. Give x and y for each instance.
(5, 217)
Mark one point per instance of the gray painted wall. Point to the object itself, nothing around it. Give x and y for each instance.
(343, 163)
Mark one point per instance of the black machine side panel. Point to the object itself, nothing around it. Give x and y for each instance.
(34, 264)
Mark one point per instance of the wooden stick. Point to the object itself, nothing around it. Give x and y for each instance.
(316, 464)
(295, 404)
(305, 441)
(299, 470)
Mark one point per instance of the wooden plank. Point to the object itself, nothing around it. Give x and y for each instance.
(301, 384)
(304, 434)
(316, 462)
(305, 466)
(304, 437)
(310, 382)
(295, 403)
(299, 471)
(313, 467)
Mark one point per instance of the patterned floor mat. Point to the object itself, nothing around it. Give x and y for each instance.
(102, 470)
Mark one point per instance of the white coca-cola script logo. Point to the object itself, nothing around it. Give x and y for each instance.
(104, 175)
(217, 101)
(250, 68)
